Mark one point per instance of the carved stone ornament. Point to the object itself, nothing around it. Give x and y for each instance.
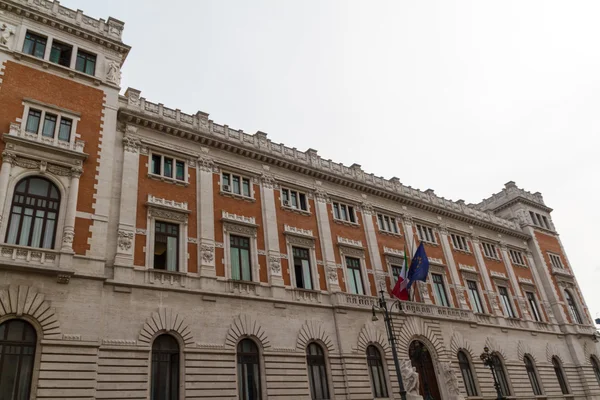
(113, 72)
(131, 144)
(9, 157)
(208, 253)
(6, 33)
(332, 274)
(170, 215)
(68, 236)
(125, 240)
(321, 195)
(450, 379)
(410, 377)
(352, 252)
(367, 208)
(301, 242)
(275, 264)
(242, 229)
(206, 164)
(267, 180)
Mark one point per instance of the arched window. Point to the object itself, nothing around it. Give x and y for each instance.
(165, 368)
(501, 375)
(535, 385)
(248, 364)
(560, 376)
(376, 372)
(17, 351)
(317, 372)
(467, 374)
(33, 213)
(596, 368)
(573, 308)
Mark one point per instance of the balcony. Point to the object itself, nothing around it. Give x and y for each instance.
(28, 255)
(434, 311)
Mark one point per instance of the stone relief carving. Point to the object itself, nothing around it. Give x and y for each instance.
(172, 215)
(131, 144)
(450, 379)
(303, 242)
(208, 253)
(113, 72)
(349, 251)
(242, 229)
(267, 180)
(321, 195)
(332, 274)
(275, 265)
(68, 237)
(410, 377)
(125, 240)
(6, 33)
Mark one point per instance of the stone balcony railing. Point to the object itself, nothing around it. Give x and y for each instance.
(30, 256)
(434, 311)
(16, 130)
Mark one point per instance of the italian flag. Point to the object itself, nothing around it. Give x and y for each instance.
(400, 290)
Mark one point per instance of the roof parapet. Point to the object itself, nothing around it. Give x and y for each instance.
(510, 193)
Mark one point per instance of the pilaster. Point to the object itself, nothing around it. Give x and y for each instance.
(205, 168)
(322, 202)
(407, 224)
(487, 282)
(540, 288)
(519, 295)
(458, 288)
(8, 160)
(372, 245)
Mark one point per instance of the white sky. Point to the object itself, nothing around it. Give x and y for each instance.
(457, 96)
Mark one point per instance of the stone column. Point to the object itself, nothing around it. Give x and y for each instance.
(8, 159)
(519, 295)
(373, 247)
(71, 212)
(458, 288)
(407, 223)
(540, 289)
(487, 282)
(206, 216)
(331, 270)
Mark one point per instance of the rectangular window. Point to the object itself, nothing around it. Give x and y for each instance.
(86, 62)
(425, 234)
(535, 312)
(236, 184)
(546, 223)
(34, 45)
(489, 250)
(344, 212)
(33, 121)
(302, 268)
(168, 167)
(294, 199)
(241, 267)
(180, 170)
(440, 289)
(355, 285)
(474, 297)
(49, 125)
(556, 261)
(387, 223)
(156, 164)
(459, 242)
(64, 131)
(166, 244)
(396, 271)
(516, 257)
(161, 165)
(505, 298)
(60, 53)
(539, 220)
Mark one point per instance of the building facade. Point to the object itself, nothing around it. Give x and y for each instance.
(150, 253)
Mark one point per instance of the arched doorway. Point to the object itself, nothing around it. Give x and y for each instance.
(420, 358)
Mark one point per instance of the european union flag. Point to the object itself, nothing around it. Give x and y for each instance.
(419, 267)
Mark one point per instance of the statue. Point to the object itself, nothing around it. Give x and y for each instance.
(410, 377)
(113, 73)
(5, 34)
(450, 380)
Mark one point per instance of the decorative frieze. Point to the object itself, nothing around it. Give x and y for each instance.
(207, 253)
(433, 260)
(238, 218)
(498, 275)
(393, 252)
(349, 242)
(124, 240)
(297, 231)
(526, 281)
(167, 214)
(172, 204)
(467, 268)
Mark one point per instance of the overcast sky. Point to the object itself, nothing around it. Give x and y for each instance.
(457, 96)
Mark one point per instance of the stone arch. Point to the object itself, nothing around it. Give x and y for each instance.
(458, 342)
(494, 347)
(371, 335)
(312, 330)
(525, 348)
(166, 320)
(244, 326)
(589, 350)
(25, 301)
(418, 329)
(553, 351)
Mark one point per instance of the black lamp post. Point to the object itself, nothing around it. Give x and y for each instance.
(391, 338)
(488, 361)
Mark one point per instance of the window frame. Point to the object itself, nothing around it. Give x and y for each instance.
(501, 375)
(533, 306)
(349, 210)
(87, 55)
(393, 267)
(310, 358)
(560, 375)
(465, 365)
(241, 180)
(459, 241)
(310, 267)
(488, 248)
(259, 363)
(532, 374)
(230, 228)
(179, 361)
(39, 36)
(177, 246)
(426, 233)
(250, 257)
(64, 45)
(480, 308)
(517, 257)
(299, 195)
(59, 113)
(595, 367)
(388, 224)
(175, 159)
(556, 261)
(573, 308)
(376, 358)
(358, 268)
(35, 344)
(439, 289)
(506, 302)
(182, 260)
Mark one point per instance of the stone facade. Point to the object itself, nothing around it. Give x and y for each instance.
(97, 304)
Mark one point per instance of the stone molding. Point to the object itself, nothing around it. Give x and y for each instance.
(244, 326)
(458, 342)
(313, 331)
(287, 229)
(26, 301)
(494, 347)
(370, 335)
(525, 348)
(419, 328)
(553, 351)
(165, 320)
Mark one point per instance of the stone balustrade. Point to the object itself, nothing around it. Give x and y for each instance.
(34, 257)
(16, 130)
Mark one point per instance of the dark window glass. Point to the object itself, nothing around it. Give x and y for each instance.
(336, 211)
(236, 184)
(440, 289)
(166, 246)
(535, 385)
(380, 222)
(64, 132)
(294, 198)
(501, 375)
(506, 304)
(351, 215)
(467, 374)
(49, 125)
(285, 195)
(560, 376)
(302, 268)
(396, 271)
(246, 187)
(354, 276)
(241, 266)
(34, 45)
(474, 297)
(33, 121)
(533, 305)
(33, 213)
(17, 352)
(303, 204)
(165, 369)
(596, 368)
(180, 170)
(61, 54)
(86, 62)
(376, 372)
(248, 370)
(573, 308)
(156, 164)
(168, 167)
(227, 180)
(317, 372)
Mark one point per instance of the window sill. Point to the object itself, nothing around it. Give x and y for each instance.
(168, 180)
(166, 272)
(237, 196)
(296, 210)
(387, 233)
(347, 223)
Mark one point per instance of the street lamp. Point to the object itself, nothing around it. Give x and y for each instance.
(488, 361)
(391, 338)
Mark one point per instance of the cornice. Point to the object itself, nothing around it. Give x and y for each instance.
(198, 128)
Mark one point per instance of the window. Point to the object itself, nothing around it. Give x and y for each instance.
(17, 352)
(33, 121)
(556, 261)
(575, 316)
(560, 376)
(376, 371)
(236, 184)
(508, 310)
(165, 369)
(467, 374)
(241, 268)
(596, 368)
(64, 131)
(489, 250)
(539, 220)
(535, 385)
(34, 213)
(396, 271)
(248, 370)
(317, 372)
(474, 297)
(302, 268)
(501, 375)
(516, 257)
(344, 212)
(86, 62)
(168, 167)
(425, 234)
(459, 242)
(166, 246)
(387, 224)
(354, 276)
(294, 199)
(49, 126)
(60, 53)
(34, 45)
(440, 289)
(535, 312)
